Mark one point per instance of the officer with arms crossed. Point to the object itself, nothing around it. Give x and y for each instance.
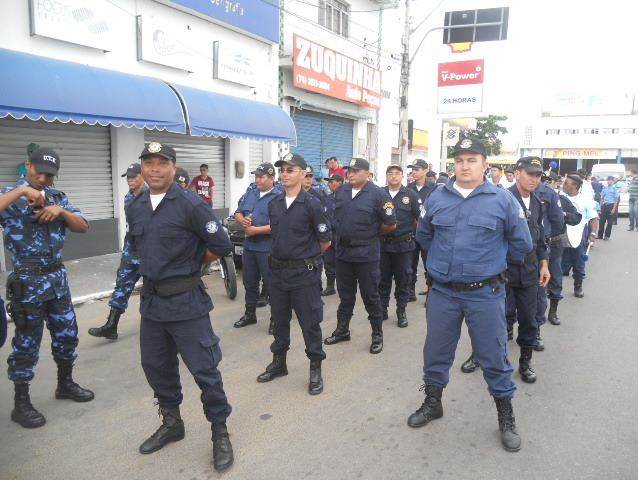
(128, 273)
(252, 214)
(171, 230)
(300, 232)
(468, 229)
(363, 212)
(334, 183)
(35, 217)
(397, 247)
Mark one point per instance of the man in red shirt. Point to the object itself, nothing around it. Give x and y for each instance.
(334, 167)
(203, 185)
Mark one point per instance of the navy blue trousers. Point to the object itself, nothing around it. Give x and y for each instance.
(254, 268)
(366, 274)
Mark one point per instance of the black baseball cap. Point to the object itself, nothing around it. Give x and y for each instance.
(181, 176)
(292, 159)
(133, 170)
(576, 178)
(45, 160)
(469, 145)
(359, 164)
(394, 166)
(530, 164)
(335, 177)
(310, 171)
(508, 170)
(264, 169)
(419, 163)
(159, 149)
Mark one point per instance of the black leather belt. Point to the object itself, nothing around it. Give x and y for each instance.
(308, 263)
(494, 282)
(38, 269)
(556, 239)
(170, 286)
(403, 238)
(350, 242)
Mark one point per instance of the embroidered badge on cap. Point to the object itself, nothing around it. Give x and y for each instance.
(322, 227)
(154, 147)
(467, 143)
(405, 200)
(353, 162)
(211, 227)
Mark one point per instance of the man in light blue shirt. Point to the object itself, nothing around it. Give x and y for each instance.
(609, 198)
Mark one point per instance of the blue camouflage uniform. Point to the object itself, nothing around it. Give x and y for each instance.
(397, 249)
(46, 297)
(128, 272)
(170, 242)
(468, 240)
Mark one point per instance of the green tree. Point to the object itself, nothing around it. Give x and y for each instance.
(488, 130)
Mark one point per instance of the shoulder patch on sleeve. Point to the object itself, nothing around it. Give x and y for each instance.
(212, 227)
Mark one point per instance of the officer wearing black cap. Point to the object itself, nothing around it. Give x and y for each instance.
(469, 229)
(524, 277)
(423, 189)
(35, 217)
(313, 188)
(300, 232)
(334, 183)
(128, 272)
(252, 214)
(363, 212)
(397, 247)
(174, 232)
(182, 178)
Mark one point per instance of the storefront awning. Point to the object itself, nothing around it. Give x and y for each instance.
(53, 90)
(213, 114)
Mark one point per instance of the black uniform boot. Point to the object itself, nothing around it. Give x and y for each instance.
(552, 315)
(341, 333)
(330, 287)
(271, 326)
(470, 365)
(377, 339)
(276, 369)
(315, 385)
(540, 345)
(384, 313)
(507, 425)
(249, 318)
(412, 297)
(67, 388)
(171, 430)
(223, 456)
(23, 412)
(431, 408)
(109, 329)
(402, 319)
(525, 365)
(578, 288)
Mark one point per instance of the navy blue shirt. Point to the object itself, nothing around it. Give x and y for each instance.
(254, 204)
(424, 193)
(553, 217)
(170, 242)
(357, 222)
(407, 211)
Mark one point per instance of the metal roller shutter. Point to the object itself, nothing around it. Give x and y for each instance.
(85, 155)
(320, 136)
(192, 152)
(255, 154)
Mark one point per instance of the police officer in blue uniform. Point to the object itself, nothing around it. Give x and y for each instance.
(35, 217)
(128, 272)
(363, 212)
(252, 214)
(423, 189)
(469, 229)
(300, 232)
(334, 183)
(174, 232)
(397, 247)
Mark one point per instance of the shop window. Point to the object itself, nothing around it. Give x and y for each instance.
(571, 131)
(476, 34)
(591, 131)
(335, 16)
(552, 131)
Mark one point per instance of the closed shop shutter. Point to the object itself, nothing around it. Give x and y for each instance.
(255, 155)
(192, 152)
(320, 136)
(85, 157)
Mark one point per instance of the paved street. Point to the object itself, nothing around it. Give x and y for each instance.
(577, 421)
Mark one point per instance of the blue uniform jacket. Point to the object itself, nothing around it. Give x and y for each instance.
(468, 239)
(252, 204)
(408, 211)
(170, 243)
(553, 217)
(357, 221)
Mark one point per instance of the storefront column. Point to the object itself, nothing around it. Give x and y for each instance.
(237, 152)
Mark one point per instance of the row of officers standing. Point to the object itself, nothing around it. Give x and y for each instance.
(472, 235)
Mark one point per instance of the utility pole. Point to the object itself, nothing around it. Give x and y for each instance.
(405, 83)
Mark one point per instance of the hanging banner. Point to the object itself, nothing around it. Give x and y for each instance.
(322, 70)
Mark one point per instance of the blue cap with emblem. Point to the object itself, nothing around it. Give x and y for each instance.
(469, 145)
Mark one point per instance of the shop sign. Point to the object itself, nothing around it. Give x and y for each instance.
(234, 64)
(322, 70)
(596, 153)
(157, 42)
(460, 86)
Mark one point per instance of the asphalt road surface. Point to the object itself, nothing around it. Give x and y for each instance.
(578, 421)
